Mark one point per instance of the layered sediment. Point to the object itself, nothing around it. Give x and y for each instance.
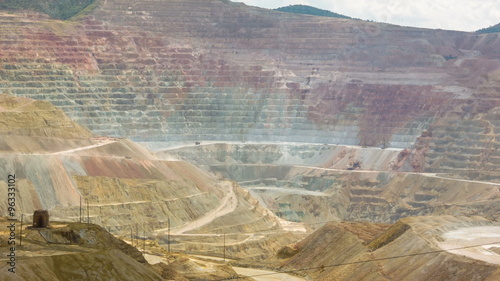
(68, 251)
(215, 70)
(409, 249)
(115, 183)
(394, 122)
(318, 183)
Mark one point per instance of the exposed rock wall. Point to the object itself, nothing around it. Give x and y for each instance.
(287, 154)
(317, 194)
(119, 184)
(407, 250)
(73, 251)
(28, 118)
(191, 70)
(313, 183)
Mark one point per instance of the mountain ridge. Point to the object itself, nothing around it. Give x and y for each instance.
(310, 10)
(492, 29)
(57, 9)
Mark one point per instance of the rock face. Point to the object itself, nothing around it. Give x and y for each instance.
(316, 183)
(318, 194)
(29, 118)
(116, 183)
(74, 251)
(203, 70)
(407, 250)
(422, 103)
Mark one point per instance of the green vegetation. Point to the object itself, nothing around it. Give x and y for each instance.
(287, 252)
(491, 29)
(58, 9)
(449, 57)
(308, 10)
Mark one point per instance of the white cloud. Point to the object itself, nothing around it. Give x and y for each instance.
(463, 15)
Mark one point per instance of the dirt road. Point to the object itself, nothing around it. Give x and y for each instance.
(489, 236)
(103, 143)
(228, 205)
(266, 275)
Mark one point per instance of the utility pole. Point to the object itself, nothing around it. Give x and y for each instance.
(224, 248)
(88, 213)
(131, 237)
(168, 235)
(144, 240)
(80, 209)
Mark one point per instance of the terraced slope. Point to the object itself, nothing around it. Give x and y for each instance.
(317, 183)
(72, 251)
(312, 195)
(120, 185)
(409, 249)
(194, 70)
(204, 70)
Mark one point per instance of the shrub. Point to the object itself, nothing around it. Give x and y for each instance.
(58, 9)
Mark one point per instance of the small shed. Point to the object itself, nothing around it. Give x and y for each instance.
(41, 218)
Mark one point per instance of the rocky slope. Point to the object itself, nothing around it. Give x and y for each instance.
(421, 106)
(30, 118)
(317, 183)
(195, 70)
(407, 250)
(81, 251)
(191, 70)
(118, 184)
(72, 252)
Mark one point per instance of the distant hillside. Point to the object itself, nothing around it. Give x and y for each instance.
(308, 10)
(58, 9)
(491, 29)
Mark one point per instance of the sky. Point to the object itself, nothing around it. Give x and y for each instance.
(463, 15)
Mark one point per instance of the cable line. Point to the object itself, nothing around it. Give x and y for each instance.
(359, 262)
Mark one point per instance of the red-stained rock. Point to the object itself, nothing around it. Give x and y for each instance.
(232, 72)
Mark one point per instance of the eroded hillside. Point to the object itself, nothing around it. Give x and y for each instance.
(412, 249)
(181, 69)
(320, 119)
(71, 251)
(317, 183)
(121, 186)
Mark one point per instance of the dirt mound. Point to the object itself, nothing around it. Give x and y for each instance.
(123, 187)
(72, 251)
(84, 235)
(407, 250)
(156, 71)
(30, 118)
(333, 244)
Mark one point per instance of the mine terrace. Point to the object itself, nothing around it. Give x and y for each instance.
(211, 140)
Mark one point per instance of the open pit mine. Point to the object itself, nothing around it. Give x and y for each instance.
(210, 140)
